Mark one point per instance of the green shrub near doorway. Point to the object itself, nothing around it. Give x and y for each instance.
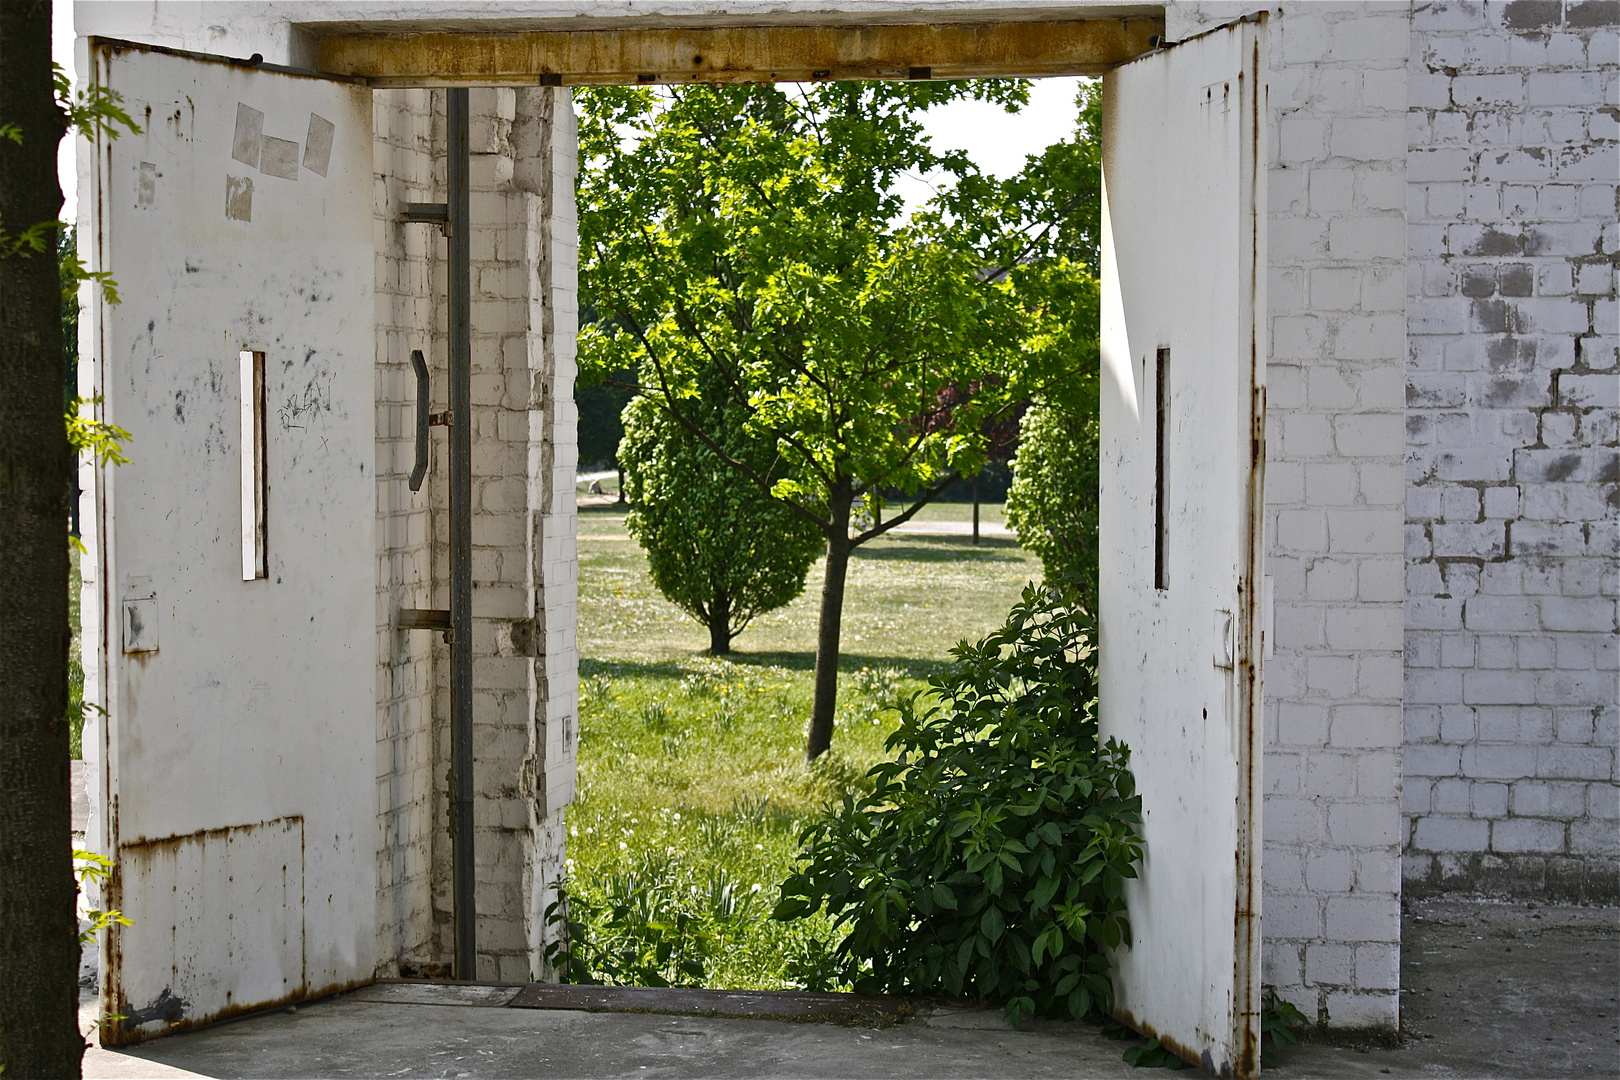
(989, 860)
(695, 764)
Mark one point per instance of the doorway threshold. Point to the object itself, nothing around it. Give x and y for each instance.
(862, 1010)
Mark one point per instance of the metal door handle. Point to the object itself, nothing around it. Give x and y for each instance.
(423, 403)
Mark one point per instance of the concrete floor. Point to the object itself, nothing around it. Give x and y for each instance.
(1489, 990)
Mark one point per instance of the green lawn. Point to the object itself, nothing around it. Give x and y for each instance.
(692, 784)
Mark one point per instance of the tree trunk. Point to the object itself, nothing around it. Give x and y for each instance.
(720, 626)
(975, 508)
(39, 948)
(829, 629)
(621, 485)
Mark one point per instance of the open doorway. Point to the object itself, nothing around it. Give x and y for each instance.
(693, 788)
(1218, 133)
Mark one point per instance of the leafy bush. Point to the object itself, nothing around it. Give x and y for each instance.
(1152, 1054)
(1280, 1024)
(990, 858)
(717, 547)
(1052, 504)
(649, 927)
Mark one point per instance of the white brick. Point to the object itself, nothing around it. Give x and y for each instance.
(1422, 723)
(1573, 763)
(1436, 833)
(1369, 434)
(1329, 964)
(1502, 89)
(1363, 1009)
(1489, 800)
(1366, 237)
(1365, 627)
(1564, 88)
(1594, 838)
(1358, 825)
(1543, 799)
(1603, 802)
(1363, 919)
(1501, 762)
(1436, 687)
(1451, 797)
(1378, 967)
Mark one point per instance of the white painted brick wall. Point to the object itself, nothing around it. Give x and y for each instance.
(403, 124)
(1334, 502)
(524, 707)
(1511, 688)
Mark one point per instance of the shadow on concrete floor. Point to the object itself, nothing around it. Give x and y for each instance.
(1490, 989)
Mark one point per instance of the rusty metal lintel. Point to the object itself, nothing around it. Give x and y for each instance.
(432, 213)
(740, 53)
(423, 619)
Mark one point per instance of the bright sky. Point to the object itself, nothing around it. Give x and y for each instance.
(997, 143)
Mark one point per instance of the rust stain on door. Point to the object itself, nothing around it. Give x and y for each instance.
(233, 902)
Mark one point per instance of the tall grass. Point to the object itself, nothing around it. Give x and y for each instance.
(692, 783)
(693, 790)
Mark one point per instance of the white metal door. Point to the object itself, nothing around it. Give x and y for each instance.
(232, 572)
(1182, 457)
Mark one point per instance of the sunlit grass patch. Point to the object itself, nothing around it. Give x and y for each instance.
(692, 783)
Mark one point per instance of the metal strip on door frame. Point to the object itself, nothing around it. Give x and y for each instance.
(1251, 588)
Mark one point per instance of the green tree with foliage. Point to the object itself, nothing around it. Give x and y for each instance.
(990, 858)
(1052, 504)
(600, 398)
(754, 231)
(601, 407)
(717, 546)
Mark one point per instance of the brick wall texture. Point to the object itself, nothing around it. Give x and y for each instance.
(406, 127)
(524, 662)
(1511, 687)
(1335, 399)
(1442, 248)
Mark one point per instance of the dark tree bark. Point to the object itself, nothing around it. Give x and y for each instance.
(830, 627)
(39, 948)
(720, 625)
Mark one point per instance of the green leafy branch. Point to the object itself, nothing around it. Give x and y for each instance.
(95, 110)
(1280, 1023)
(89, 866)
(86, 434)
